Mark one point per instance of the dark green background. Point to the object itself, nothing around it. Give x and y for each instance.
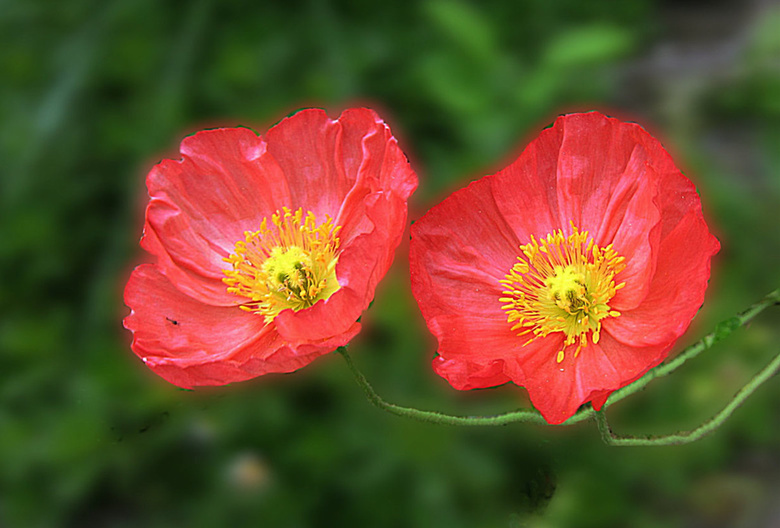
(93, 93)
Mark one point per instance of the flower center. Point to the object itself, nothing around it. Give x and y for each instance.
(562, 284)
(290, 265)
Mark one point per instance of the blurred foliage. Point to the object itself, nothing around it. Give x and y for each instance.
(94, 93)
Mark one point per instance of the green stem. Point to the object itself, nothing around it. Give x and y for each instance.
(721, 331)
(704, 429)
(435, 417)
(604, 428)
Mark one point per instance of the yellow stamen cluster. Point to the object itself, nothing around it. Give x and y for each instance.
(291, 264)
(562, 284)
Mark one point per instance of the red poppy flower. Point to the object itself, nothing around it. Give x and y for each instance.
(267, 249)
(571, 272)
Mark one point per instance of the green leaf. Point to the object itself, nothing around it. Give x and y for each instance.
(588, 45)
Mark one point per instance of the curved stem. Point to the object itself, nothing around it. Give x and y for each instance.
(722, 330)
(436, 417)
(690, 436)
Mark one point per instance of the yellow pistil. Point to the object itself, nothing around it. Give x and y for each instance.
(562, 284)
(291, 264)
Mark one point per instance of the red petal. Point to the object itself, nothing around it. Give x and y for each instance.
(373, 220)
(525, 191)
(334, 316)
(190, 343)
(200, 206)
(362, 264)
(467, 374)
(379, 170)
(608, 180)
(324, 159)
(678, 199)
(600, 174)
(557, 390)
(459, 252)
(597, 154)
(478, 339)
(637, 231)
(632, 363)
(466, 233)
(677, 289)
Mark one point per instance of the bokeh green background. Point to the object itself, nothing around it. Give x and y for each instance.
(93, 93)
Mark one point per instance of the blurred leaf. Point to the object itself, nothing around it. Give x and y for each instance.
(587, 45)
(465, 27)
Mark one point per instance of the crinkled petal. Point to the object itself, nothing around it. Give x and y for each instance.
(381, 172)
(324, 159)
(598, 174)
(171, 328)
(557, 390)
(201, 205)
(190, 343)
(374, 219)
(465, 233)
(677, 290)
(480, 339)
(460, 251)
(636, 234)
(552, 386)
(525, 191)
(608, 178)
(467, 374)
(678, 199)
(596, 156)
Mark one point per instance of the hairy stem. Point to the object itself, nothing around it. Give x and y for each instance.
(704, 429)
(435, 417)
